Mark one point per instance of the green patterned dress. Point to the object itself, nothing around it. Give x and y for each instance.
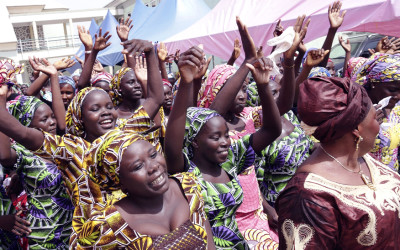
(50, 208)
(281, 159)
(223, 199)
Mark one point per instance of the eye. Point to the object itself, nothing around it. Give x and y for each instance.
(110, 106)
(153, 155)
(215, 137)
(137, 167)
(94, 108)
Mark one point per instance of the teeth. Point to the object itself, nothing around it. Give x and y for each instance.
(158, 180)
(106, 121)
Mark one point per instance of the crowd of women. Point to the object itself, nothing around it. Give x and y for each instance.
(274, 153)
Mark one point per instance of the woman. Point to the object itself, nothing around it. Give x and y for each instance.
(102, 80)
(158, 212)
(380, 76)
(208, 151)
(67, 88)
(49, 206)
(343, 198)
(167, 105)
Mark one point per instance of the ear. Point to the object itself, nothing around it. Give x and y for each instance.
(194, 144)
(356, 132)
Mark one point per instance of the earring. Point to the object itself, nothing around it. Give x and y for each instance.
(358, 140)
(373, 86)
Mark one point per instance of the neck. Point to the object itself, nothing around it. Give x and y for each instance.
(150, 205)
(345, 155)
(207, 166)
(230, 117)
(167, 111)
(129, 105)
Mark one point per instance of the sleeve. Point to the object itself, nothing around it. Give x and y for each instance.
(241, 156)
(306, 221)
(139, 122)
(256, 116)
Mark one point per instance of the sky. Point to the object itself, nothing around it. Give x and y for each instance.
(83, 4)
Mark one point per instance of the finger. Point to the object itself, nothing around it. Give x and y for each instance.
(106, 34)
(326, 52)
(278, 24)
(16, 232)
(251, 67)
(208, 62)
(108, 38)
(343, 13)
(46, 62)
(144, 63)
(100, 31)
(130, 22)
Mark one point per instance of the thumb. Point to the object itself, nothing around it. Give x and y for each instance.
(19, 213)
(326, 52)
(251, 67)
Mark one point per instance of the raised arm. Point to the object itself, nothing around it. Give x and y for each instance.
(101, 42)
(288, 81)
(226, 95)
(155, 90)
(30, 138)
(86, 39)
(235, 53)
(162, 54)
(7, 155)
(57, 104)
(189, 64)
(271, 125)
(197, 81)
(335, 19)
(347, 48)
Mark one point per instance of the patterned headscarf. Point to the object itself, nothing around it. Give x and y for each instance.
(253, 99)
(319, 71)
(166, 83)
(115, 85)
(379, 68)
(353, 65)
(215, 81)
(195, 119)
(23, 108)
(8, 70)
(73, 116)
(68, 80)
(102, 76)
(105, 155)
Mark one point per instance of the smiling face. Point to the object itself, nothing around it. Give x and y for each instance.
(143, 171)
(131, 89)
(240, 100)
(379, 91)
(213, 142)
(44, 119)
(67, 93)
(98, 114)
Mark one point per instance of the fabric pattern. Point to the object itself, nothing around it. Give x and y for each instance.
(329, 215)
(23, 108)
(8, 70)
(73, 117)
(102, 76)
(115, 85)
(280, 160)
(108, 229)
(223, 199)
(50, 207)
(319, 71)
(252, 118)
(8, 240)
(379, 68)
(387, 142)
(67, 80)
(353, 65)
(215, 81)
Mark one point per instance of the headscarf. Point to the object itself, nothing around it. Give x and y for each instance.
(104, 157)
(334, 106)
(353, 65)
(215, 81)
(73, 117)
(319, 71)
(67, 80)
(8, 70)
(102, 76)
(379, 68)
(195, 119)
(23, 108)
(253, 98)
(166, 83)
(115, 85)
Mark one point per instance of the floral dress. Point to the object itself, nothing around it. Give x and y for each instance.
(387, 142)
(107, 229)
(49, 206)
(223, 199)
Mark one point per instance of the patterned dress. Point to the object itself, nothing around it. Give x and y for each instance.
(8, 240)
(281, 159)
(49, 206)
(223, 199)
(107, 229)
(387, 142)
(315, 213)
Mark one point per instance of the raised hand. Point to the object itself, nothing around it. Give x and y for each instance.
(15, 224)
(42, 65)
(300, 32)
(101, 41)
(138, 46)
(335, 17)
(80, 61)
(395, 47)
(314, 57)
(141, 69)
(85, 37)
(278, 29)
(123, 28)
(236, 49)
(203, 68)
(247, 41)
(260, 69)
(162, 52)
(189, 63)
(64, 63)
(97, 67)
(302, 47)
(345, 44)
(176, 56)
